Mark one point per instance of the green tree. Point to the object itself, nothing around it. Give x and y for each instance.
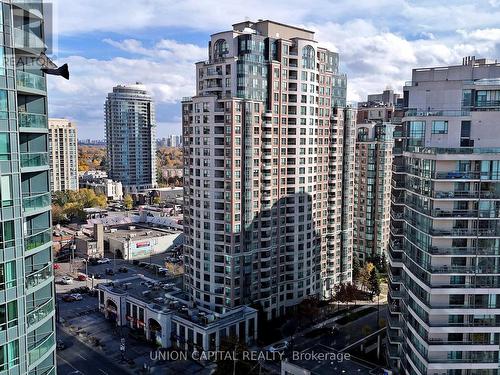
(156, 200)
(226, 366)
(374, 283)
(356, 269)
(364, 275)
(307, 310)
(128, 202)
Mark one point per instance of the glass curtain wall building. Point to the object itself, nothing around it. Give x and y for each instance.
(444, 295)
(27, 342)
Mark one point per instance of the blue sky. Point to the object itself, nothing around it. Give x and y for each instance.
(157, 42)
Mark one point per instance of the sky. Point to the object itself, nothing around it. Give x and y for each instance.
(157, 42)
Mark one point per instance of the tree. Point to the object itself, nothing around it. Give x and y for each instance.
(128, 202)
(226, 365)
(351, 293)
(58, 215)
(374, 283)
(356, 269)
(364, 275)
(340, 294)
(375, 289)
(156, 200)
(307, 310)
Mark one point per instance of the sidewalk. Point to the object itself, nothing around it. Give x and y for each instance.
(93, 326)
(325, 322)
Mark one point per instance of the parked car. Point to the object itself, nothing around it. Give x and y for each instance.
(103, 261)
(278, 348)
(123, 269)
(97, 276)
(66, 280)
(61, 345)
(76, 296)
(57, 266)
(142, 264)
(72, 297)
(82, 277)
(109, 271)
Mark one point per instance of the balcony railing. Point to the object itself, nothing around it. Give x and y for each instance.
(34, 159)
(40, 349)
(437, 113)
(38, 238)
(35, 202)
(40, 313)
(37, 277)
(32, 120)
(30, 81)
(26, 39)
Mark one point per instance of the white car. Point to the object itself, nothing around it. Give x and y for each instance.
(279, 347)
(103, 261)
(66, 280)
(76, 296)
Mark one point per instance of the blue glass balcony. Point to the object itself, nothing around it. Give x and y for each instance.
(26, 39)
(32, 120)
(30, 81)
(37, 238)
(33, 203)
(40, 313)
(46, 345)
(34, 159)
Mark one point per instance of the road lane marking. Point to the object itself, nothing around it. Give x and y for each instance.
(81, 356)
(104, 372)
(69, 364)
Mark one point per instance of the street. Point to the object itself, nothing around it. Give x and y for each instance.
(78, 358)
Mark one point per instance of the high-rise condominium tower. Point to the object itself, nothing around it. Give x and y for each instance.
(27, 342)
(131, 137)
(372, 189)
(264, 172)
(63, 154)
(445, 235)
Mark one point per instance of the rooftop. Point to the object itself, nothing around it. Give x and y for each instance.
(165, 296)
(137, 232)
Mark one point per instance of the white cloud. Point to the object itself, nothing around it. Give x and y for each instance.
(166, 68)
(379, 42)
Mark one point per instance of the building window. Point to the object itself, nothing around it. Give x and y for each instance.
(308, 57)
(416, 132)
(221, 49)
(439, 127)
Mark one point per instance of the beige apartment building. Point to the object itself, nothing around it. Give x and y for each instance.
(264, 170)
(372, 186)
(63, 154)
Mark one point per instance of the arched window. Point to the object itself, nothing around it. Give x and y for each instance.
(308, 57)
(220, 49)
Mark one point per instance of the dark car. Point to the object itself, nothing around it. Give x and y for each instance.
(123, 269)
(109, 271)
(135, 262)
(61, 345)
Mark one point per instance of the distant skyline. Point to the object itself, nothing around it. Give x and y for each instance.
(379, 43)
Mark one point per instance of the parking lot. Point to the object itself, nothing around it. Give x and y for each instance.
(88, 303)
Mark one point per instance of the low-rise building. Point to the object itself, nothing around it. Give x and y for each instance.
(164, 315)
(139, 242)
(90, 245)
(98, 181)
